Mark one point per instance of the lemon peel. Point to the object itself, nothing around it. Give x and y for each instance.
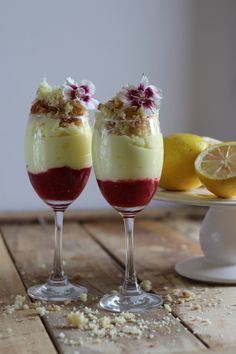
(180, 152)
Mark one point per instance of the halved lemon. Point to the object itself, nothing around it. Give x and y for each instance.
(216, 169)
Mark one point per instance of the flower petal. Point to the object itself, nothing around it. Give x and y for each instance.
(133, 94)
(144, 95)
(144, 81)
(69, 89)
(70, 82)
(148, 104)
(149, 92)
(157, 92)
(67, 95)
(92, 103)
(123, 95)
(91, 87)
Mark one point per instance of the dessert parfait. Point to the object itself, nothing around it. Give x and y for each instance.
(58, 141)
(127, 149)
(58, 161)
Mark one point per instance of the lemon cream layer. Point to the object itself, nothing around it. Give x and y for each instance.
(47, 145)
(119, 157)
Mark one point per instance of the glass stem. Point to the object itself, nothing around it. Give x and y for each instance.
(57, 274)
(130, 284)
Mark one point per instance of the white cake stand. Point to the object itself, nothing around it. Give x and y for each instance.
(217, 237)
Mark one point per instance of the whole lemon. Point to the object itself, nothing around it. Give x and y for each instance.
(180, 152)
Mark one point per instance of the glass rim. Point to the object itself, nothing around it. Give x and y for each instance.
(59, 116)
(130, 120)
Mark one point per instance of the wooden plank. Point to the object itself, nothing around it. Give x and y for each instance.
(217, 307)
(215, 351)
(21, 332)
(188, 226)
(32, 247)
(157, 248)
(100, 214)
(87, 262)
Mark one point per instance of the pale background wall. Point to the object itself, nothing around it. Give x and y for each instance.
(186, 47)
(214, 109)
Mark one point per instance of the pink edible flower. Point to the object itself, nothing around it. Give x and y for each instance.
(83, 92)
(146, 96)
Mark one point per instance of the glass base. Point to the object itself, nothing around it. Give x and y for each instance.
(56, 293)
(134, 303)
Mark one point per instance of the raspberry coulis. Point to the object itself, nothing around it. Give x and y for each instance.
(60, 184)
(129, 193)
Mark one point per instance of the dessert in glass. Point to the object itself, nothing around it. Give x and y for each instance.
(127, 150)
(58, 160)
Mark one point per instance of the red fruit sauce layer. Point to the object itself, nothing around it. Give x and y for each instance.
(61, 183)
(129, 193)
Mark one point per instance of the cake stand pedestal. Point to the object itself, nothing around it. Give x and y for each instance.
(217, 237)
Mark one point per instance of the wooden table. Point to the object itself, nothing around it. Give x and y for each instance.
(94, 256)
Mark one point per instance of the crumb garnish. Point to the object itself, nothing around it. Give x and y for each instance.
(129, 111)
(58, 101)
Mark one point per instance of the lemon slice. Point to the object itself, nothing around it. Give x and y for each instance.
(216, 169)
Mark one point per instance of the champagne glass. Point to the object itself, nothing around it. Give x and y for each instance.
(58, 161)
(127, 150)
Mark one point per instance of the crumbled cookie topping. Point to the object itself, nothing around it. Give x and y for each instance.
(57, 102)
(114, 325)
(129, 112)
(17, 305)
(122, 121)
(65, 122)
(146, 285)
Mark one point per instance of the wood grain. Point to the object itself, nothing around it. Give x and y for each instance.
(88, 263)
(94, 257)
(157, 248)
(101, 214)
(21, 332)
